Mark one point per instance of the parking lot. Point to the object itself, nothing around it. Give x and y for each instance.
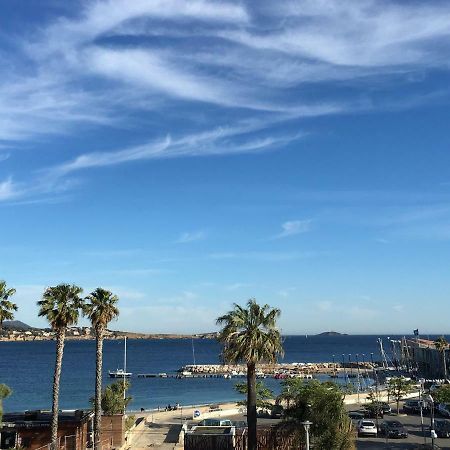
(415, 436)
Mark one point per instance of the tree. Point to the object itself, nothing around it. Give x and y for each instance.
(263, 394)
(289, 389)
(323, 405)
(113, 401)
(5, 391)
(442, 394)
(61, 306)
(100, 309)
(7, 307)
(249, 335)
(397, 388)
(441, 346)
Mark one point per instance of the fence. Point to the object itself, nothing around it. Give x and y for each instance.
(269, 438)
(72, 443)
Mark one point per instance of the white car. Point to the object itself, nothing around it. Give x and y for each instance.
(367, 428)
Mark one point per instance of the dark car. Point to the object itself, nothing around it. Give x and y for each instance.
(385, 407)
(413, 406)
(393, 429)
(442, 428)
(356, 416)
(277, 411)
(374, 411)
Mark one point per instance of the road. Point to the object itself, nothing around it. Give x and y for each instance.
(413, 425)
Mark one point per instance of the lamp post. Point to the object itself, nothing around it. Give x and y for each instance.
(358, 385)
(307, 425)
(421, 391)
(432, 432)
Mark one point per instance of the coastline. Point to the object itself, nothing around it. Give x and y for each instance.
(114, 336)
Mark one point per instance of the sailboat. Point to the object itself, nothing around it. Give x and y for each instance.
(121, 373)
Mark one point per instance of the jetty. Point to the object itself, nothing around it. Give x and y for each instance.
(282, 370)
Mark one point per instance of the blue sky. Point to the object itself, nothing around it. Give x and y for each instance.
(187, 155)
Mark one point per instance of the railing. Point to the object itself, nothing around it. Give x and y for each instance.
(71, 443)
(269, 438)
(64, 443)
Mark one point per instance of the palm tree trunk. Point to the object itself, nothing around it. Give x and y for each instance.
(60, 335)
(251, 406)
(98, 389)
(445, 365)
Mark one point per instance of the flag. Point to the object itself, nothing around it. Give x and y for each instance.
(416, 332)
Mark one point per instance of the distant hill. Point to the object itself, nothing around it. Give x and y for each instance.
(16, 325)
(332, 333)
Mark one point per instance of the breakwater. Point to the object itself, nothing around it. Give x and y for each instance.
(282, 370)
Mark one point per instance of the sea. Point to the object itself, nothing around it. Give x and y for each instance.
(27, 367)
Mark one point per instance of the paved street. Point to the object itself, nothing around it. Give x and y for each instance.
(161, 431)
(412, 423)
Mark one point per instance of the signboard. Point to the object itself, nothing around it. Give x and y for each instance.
(196, 414)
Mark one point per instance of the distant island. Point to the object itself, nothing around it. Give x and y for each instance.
(15, 330)
(331, 333)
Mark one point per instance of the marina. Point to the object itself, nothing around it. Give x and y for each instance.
(155, 366)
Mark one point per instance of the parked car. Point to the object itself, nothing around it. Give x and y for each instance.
(239, 423)
(263, 413)
(427, 447)
(356, 416)
(385, 407)
(374, 411)
(393, 429)
(443, 409)
(442, 428)
(413, 406)
(367, 428)
(277, 412)
(215, 423)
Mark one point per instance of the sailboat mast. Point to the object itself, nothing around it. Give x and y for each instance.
(124, 368)
(193, 351)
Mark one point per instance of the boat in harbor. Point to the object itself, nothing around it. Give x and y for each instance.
(121, 373)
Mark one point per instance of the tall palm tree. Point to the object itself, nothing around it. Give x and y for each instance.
(61, 306)
(441, 345)
(250, 335)
(7, 307)
(101, 309)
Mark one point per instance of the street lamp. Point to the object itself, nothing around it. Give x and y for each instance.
(307, 425)
(432, 431)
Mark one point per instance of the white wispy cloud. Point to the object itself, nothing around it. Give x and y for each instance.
(286, 292)
(9, 190)
(192, 236)
(293, 227)
(232, 59)
(215, 142)
(263, 256)
(237, 286)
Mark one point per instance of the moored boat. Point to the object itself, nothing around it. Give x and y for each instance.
(119, 373)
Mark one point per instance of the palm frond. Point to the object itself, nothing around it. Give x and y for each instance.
(101, 307)
(249, 334)
(61, 305)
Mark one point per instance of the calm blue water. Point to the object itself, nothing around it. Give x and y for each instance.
(27, 367)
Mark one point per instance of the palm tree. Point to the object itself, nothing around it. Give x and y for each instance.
(101, 309)
(5, 391)
(250, 335)
(441, 345)
(60, 305)
(7, 307)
